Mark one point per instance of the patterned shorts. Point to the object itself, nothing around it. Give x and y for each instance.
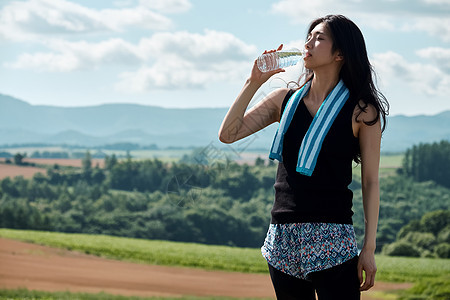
(298, 249)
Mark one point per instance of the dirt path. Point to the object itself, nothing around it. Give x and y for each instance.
(44, 268)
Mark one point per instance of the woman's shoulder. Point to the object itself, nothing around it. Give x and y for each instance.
(277, 100)
(365, 112)
(287, 93)
(282, 91)
(278, 96)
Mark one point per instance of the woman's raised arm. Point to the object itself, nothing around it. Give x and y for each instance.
(238, 123)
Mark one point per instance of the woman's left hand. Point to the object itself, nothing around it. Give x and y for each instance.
(367, 264)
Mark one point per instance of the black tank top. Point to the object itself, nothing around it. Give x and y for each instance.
(323, 197)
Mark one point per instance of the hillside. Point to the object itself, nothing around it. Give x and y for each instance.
(21, 122)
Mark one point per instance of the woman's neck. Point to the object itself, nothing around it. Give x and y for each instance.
(321, 86)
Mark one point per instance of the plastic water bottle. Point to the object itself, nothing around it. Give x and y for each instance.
(279, 59)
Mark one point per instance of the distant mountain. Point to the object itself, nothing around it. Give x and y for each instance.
(403, 131)
(21, 122)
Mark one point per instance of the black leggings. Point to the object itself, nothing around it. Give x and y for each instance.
(339, 282)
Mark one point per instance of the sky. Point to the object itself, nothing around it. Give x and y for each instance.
(198, 53)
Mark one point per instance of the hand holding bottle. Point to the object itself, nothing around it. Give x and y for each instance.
(279, 59)
(258, 76)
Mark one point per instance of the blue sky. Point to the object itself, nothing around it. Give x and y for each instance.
(193, 53)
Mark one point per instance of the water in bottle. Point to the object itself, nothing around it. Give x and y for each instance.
(279, 59)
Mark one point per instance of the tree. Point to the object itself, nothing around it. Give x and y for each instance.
(18, 158)
(86, 166)
(401, 248)
(86, 163)
(259, 161)
(435, 221)
(429, 235)
(444, 235)
(110, 162)
(8, 187)
(443, 250)
(98, 176)
(422, 240)
(412, 226)
(429, 162)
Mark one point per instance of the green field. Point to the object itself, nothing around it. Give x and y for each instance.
(430, 276)
(391, 269)
(24, 294)
(149, 251)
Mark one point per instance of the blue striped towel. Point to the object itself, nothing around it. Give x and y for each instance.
(312, 141)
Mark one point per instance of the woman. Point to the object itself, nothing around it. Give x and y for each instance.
(310, 245)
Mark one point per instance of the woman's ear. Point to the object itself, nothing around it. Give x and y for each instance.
(339, 56)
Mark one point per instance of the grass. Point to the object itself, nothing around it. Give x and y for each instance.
(431, 276)
(149, 251)
(410, 269)
(437, 289)
(24, 294)
(390, 269)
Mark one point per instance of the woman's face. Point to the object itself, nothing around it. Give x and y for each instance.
(318, 48)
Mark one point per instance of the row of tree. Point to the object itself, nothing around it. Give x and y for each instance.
(183, 210)
(427, 237)
(204, 216)
(76, 153)
(429, 162)
(194, 200)
(125, 146)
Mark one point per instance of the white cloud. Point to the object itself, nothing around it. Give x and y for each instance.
(439, 56)
(46, 62)
(165, 60)
(35, 19)
(177, 73)
(71, 56)
(212, 46)
(187, 60)
(439, 27)
(430, 16)
(425, 78)
(167, 6)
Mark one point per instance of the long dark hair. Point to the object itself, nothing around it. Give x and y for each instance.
(356, 72)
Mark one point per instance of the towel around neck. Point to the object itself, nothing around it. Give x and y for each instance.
(322, 122)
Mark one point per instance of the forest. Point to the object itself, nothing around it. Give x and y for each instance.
(206, 198)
